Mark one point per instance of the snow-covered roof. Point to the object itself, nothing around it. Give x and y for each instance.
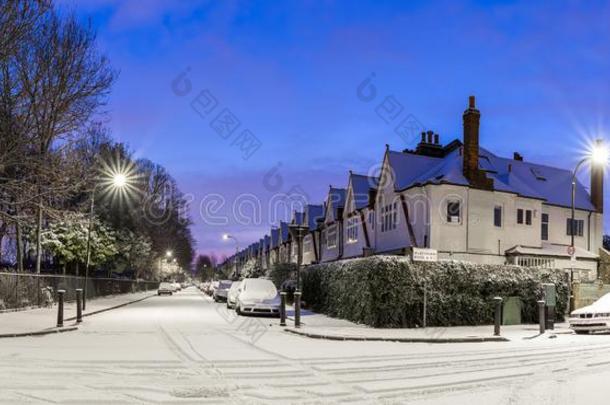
(550, 184)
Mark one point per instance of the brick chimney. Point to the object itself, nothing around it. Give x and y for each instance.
(597, 184)
(475, 176)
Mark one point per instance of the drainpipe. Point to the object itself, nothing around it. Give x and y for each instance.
(589, 231)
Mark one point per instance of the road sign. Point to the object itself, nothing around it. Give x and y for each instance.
(425, 255)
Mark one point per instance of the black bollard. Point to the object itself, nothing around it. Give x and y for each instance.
(60, 308)
(541, 316)
(79, 305)
(297, 309)
(283, 308)
(498, 315)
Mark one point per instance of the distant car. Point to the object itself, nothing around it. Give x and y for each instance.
(220, 293)
(176, 287)
(593, 318)
(213, 285)
(165, 288)
(232, 294)
(258, 296)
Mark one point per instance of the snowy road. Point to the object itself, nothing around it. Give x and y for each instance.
(187, 349)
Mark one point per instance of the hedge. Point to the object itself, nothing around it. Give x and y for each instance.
(388, 291)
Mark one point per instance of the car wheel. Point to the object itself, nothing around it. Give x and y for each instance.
(238, 309)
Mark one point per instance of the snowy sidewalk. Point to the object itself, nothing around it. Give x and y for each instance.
(320, 326)
(44, 320)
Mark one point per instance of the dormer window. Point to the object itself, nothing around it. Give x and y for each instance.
(538, 174)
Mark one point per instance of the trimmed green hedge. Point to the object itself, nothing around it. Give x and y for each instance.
(387, 291)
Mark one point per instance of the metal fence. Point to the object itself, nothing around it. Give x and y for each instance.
(22, 290)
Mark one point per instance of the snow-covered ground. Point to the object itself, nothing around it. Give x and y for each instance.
(187, 349)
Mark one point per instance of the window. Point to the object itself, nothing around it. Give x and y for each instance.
(352, 229)
(578, 227)
(498, 216)
(389, 217)
(372, 219)
(545, 227)
(524, 216)
(453, 211)
(331, 237)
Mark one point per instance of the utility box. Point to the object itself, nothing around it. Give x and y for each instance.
(511, 313)
(550, 301)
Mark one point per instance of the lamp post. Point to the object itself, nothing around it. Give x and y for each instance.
(118, 181)
(598, 156)
(298, 232)
(226, 236)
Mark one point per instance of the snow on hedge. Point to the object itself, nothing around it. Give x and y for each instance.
(388, 291)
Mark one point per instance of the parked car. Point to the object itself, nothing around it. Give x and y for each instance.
(212, 287)
(593, 318)
(165, 288)
(258, 296)
(232, 294)
(176, 287)
(220, 293)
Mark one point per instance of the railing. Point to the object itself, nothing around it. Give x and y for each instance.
(22, 290)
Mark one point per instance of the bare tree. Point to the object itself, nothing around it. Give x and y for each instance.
(64, 81)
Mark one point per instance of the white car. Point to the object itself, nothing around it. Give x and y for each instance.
(220, 293)
(165, 288)
(232, 294)
(258, 296)
(593, 318)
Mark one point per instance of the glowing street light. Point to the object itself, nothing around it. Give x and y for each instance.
(116, 181)
(226, 236)
(168, 253)
(598, 155)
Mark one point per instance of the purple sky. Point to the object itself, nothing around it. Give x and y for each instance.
(289, 72)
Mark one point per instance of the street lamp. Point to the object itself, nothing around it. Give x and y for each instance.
(598, 155)
(118, 181)
(298, 232)
(226, 236)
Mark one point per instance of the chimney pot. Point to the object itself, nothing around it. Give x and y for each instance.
(430, 134)
(423, 137)
(471, 102)
(436, 141)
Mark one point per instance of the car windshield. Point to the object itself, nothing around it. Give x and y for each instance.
(164, 285)
(260, 285)
(225, 285)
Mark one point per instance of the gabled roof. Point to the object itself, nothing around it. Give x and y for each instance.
(336, 200)
(284, 232)
(299, 218)
(313, 213)
(275, 237)
(552, 185)
(361, 189)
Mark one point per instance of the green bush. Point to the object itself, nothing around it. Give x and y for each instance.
(388, 291)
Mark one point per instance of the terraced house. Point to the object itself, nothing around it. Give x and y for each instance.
(467, 203)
